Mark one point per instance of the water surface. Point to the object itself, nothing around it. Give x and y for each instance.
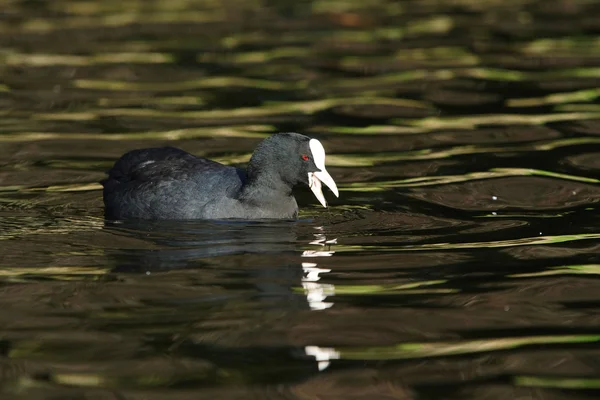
(460, 261)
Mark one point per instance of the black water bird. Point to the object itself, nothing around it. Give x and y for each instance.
(169, 183)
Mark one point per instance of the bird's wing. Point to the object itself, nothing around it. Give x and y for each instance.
(158, 163)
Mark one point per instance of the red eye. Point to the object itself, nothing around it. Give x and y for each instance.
(305, 157)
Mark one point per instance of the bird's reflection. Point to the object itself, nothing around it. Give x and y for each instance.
(173, 245)
(276, 262)
(286, 266)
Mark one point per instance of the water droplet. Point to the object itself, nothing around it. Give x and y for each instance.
(494, 198)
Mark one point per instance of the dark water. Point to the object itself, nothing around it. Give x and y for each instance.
(460, 261)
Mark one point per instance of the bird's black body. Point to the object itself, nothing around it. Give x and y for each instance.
(169, 183)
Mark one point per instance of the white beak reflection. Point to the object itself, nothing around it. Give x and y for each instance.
(316, 179)
(316, 292)
(323, 355)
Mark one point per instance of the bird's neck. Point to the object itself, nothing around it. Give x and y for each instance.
(265, 188)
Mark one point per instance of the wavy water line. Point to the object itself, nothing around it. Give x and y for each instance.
(446, 74)
(444, 349)
(421, 287)
(249, 131)
(581, 269)
(61, 226)
(556, 382)
(555, 98)
(536, 215)
(432, 56)
(435, 124)
(275, 109)
(527, 241)
(212, 82)
(257, 57)
(45, 60)
(70, 187)
(115, 20)
(440, 57)
(570, 44)
(493, 173)
(144, 101)
(218, 82)
(593, 108)
(429, 124)
(57, 272)
(218, 13)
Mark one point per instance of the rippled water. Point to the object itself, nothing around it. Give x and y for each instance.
(460, 261)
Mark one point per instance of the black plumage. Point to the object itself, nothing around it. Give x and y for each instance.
(169, 183)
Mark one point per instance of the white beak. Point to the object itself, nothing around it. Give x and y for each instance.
(316, 178)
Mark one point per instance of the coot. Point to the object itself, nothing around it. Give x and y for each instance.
(169, 183)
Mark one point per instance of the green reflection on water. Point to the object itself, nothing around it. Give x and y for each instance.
(525, 241)
(583, 269)
(250, 131)
(557, 382)
(41, 59)
(576, 45)
(494, 173)
(556, 98)
(441, 349)
(471, 122)
(228, 115)
(201, 83)
(407, 288)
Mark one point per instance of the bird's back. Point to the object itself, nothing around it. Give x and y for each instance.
(167, 183)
